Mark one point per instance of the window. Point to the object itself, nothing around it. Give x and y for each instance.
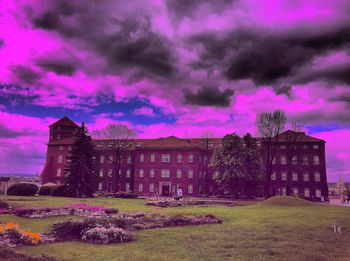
(110, 172)
(59, 128)
(101, 173)
(283, 147)
(151, 173)
(273, 176)
(151, 187)
(128, 173)
(59, 158)
(58, 137)
(165, 173)
(100, 186)
(178, 173)
(190, 158)
(306, 176)
(190, 188)
(315, 146)
(305, 160)
(316, 160)
(205, 159)
(141, 173)
(142, 157)
(317, 176)
(204, 174)
(283, 160)
(295, 176)
(294, 160)
(127, 186)
(305, 147)
(295, 191)
(153, 157)
(165, 157)
(120, 172)
(140, 187)
(179, 158)
(60, 147)
(318, 193)
(128, 159)
(190, 174)
(284, 191)
(274, 160)
(70, 147)
(284, 176)
(102, 159)
(306, 192)
(59, 172)
(110, 159)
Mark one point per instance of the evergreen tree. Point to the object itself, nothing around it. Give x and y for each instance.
(81, 178)
(252, 164)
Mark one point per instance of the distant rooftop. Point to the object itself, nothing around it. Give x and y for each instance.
(65, 122)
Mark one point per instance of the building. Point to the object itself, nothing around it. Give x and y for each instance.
(159, 166)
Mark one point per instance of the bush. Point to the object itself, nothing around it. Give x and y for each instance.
(46, 191)
(103, 235)
(21, 212)
(124, 194)
(4, 205)
(73, 229)
(59, 191)
(110, 211)
(11, 255)
(22, 189)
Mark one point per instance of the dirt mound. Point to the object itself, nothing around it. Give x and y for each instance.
(286, 201)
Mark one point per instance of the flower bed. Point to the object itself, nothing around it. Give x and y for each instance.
(11, 235)
(80, 209)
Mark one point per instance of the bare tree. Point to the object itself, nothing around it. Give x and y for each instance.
(118, 138)
(270, 125)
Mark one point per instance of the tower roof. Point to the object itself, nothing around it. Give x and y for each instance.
(65, 121)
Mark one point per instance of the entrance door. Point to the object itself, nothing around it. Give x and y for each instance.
(165, 190)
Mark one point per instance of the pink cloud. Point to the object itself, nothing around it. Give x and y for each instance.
(144, 111)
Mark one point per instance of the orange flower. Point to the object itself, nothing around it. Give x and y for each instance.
(35, 237)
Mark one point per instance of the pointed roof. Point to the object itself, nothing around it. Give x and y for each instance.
(300, 137)
(169, 142)
(65, 121)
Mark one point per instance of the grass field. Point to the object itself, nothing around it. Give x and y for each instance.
(273, 230)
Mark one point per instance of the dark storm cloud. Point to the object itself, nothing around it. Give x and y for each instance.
(266, 58)
(209, 96)
(284, 89)
(59, 65)
(341, 98)
(127, 42)
(183, 8)
(337, 73)
(25, 74)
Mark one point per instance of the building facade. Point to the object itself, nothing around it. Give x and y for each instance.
(159, 166)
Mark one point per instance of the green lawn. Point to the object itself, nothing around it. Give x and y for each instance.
(254, 232)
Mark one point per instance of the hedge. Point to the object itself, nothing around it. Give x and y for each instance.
(22, 189)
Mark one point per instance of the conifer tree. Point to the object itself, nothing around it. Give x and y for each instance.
(81, 178)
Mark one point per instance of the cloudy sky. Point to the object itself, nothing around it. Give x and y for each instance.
(172, 67)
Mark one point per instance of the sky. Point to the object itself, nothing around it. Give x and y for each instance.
(172, 67)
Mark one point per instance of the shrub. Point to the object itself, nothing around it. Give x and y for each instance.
(22, 189)
(73, 229)
(124, 194)
(4, 205)
(46, 191)
(103, 235)
(59, 191)
(110, 211)
(21, 212)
